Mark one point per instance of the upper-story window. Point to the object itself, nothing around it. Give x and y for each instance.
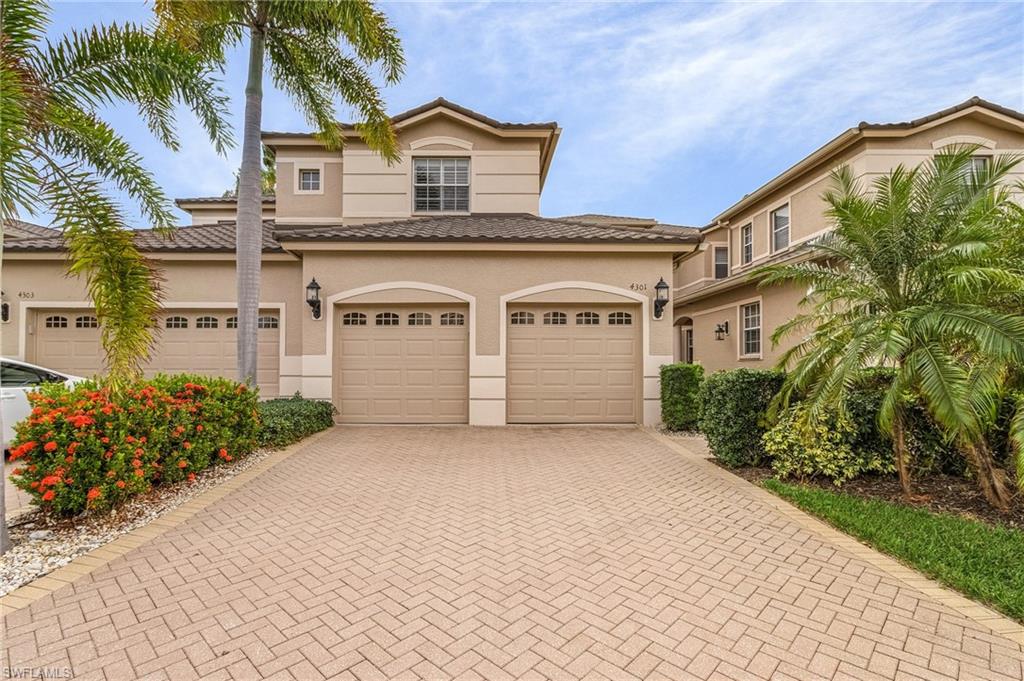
(780, 228)
(309, 179)
(750, 323)
(721, 262)
(441, 184)
(747, 243)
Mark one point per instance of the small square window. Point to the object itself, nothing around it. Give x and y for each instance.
(309, 180)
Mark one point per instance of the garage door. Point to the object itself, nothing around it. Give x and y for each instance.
(193, 341)
(573, 364)
(402, 364)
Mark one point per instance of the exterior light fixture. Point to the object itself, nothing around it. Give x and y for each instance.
(722, 330)
(660, 298)
(5, 309)
(313, 297)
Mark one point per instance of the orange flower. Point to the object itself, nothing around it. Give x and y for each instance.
(49, 495)
(199, 428)
(50, 446)
(186, 444)
(93, 493)
(191, 477)
(73, 446)
(120, 484)
(139, 473)
(182, 463)
(139, 451)
(69, 459)
(136, 463)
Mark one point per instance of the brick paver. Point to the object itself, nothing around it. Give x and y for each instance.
(535, 553)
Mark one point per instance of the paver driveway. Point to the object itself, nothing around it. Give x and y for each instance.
(554, 553)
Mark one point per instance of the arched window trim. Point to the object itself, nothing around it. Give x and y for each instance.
(387, 319)
(353, 319)
(267, 322)
(176, 322)
(522, 318)
(620, 319)
(420, 319)
(87, 321)
(231, 323)
(453, 319)
(56, 322)
(207, 322)
(588, 318)
(556, 318)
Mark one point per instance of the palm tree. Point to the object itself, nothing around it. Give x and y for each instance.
(302, 44)
(57, 154)
(915, 275)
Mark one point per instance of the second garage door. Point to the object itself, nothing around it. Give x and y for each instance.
(188, 341)
(402, 364)
(573, 364)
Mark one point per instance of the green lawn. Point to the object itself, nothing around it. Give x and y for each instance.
(984, 562)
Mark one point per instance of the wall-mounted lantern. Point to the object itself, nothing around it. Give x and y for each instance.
(722, 330)
(660, 298)
(313, 297)
(5, 308)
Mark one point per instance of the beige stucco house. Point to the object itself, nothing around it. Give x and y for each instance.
(445, 298)
(723, 320)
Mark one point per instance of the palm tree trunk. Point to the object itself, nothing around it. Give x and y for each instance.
(249, 225)
(991, 479)
(899, 443)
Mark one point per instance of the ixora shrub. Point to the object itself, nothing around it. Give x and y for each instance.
(828, 448)
(290, 419)
(679, 404)
(732, 413)
(85, 448)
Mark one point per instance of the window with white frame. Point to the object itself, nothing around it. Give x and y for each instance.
(453, 319)
(780, 228)
(555, 319)
(688, 345)
(750, 324)
(521, 318)
(309, 179)
(975, 166)
(441, 184)
(420, 319)
(588, 318)
(206, 322)
(747, 243)
(56, 322)
(353, 319)
(620, 319)
(231, 323)
(721, 262)
(266, 322)
(387, 319)
(87, 322)
(176, 323)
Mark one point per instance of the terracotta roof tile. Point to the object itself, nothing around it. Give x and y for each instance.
(213, 238)
(19, 229)
(508, 228)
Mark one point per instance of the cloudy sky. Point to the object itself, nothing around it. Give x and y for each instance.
(668, 110)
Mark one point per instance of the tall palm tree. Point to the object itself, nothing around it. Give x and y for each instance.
(58, 155)
(316, 52)
(915, 275)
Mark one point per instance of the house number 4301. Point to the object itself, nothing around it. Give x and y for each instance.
(637, 286)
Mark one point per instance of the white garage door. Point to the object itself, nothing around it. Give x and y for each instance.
(192, 341)
(573, 364)
(402, 364)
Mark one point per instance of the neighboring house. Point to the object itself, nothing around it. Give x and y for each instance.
(444, 297)
(723, 320)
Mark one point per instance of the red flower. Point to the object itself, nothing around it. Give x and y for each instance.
(199, 428)
(139, 451)
(182, 463)
(73, 446)
(120, 484)
(129, 438)
(186, 444)
(105, 439)
(49, 495)
(50, 446)
(136, 463)
(49, 480)
(223, 453)
(191, 477)
(69, 459)
(139, 473)
(16, 471)
(93, 493)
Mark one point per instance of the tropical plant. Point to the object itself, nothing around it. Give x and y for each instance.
(303, 45)
(57, 155)
(915, 276)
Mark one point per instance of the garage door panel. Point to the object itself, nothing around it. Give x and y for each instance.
(576, 373)
(412, 374)
(204, 351)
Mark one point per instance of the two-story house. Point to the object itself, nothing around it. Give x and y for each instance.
(443, 296)
(723, 320)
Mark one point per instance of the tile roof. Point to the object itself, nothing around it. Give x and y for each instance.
(267, 198)
(19, 229)
(214, 238)
(423, 108)
(973, 101)
(605, 219)
(508, 228)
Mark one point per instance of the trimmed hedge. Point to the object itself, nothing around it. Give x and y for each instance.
(679, 401)
(84, 447)
(288, 420)
(732, 413)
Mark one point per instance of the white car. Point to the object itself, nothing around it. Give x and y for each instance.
(16, 380)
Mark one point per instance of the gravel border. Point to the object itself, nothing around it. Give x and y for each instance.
(40, 544)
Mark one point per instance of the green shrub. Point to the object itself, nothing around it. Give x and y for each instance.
(679, 385)
(826, 449)
(84, 447)
(290, 419)
(732, 413)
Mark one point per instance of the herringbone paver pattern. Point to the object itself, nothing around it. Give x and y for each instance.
(548, 553)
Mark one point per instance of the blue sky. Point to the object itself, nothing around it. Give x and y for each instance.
(668, 110)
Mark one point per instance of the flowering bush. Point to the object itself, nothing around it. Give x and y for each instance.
(83, 447)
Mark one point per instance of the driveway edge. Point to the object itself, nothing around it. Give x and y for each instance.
(44, 585)
(991, 619)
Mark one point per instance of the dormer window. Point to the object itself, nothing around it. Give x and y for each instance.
(441, 185)
(309, 179)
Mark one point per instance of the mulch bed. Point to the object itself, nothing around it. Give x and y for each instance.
(947, 494)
